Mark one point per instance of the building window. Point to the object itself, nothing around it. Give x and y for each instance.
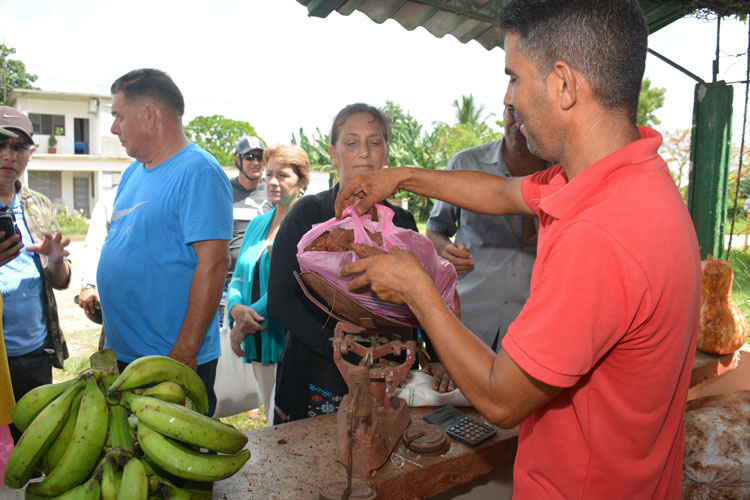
(48, 124)
(47, 183)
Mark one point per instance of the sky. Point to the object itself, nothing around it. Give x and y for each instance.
(266, 62)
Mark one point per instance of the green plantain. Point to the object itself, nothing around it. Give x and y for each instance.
(186, 463)
(185, 425)
(56, 451)
(134, 482)
(90, 490)
(166, 391)
(120, 435)
(85, 446)
(160, 483)
(111, 477)
(172, 492)
(34, 401)
(39, 436)
(154, 369)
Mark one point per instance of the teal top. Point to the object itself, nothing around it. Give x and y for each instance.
(255, 250)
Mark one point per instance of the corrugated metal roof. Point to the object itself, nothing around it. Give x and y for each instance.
(470, 19)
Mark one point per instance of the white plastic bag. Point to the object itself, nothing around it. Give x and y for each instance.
(235, 385)
(418, 391)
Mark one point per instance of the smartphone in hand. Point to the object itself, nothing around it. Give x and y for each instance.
(7, 225)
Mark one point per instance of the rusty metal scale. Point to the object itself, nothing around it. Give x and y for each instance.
(370, 420)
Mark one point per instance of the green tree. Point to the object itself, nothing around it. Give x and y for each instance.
(411, 146)
(14, 75)
(218, 135)
(450, 140)
(467, 111)
(649, 101)
(316, 147)
(675, 149)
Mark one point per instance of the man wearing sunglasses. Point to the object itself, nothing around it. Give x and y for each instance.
(248, 190)
(249, 198)
(32, 263)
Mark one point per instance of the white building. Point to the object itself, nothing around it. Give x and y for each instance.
(89, 160)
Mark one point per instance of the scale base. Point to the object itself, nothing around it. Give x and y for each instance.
(373, 445)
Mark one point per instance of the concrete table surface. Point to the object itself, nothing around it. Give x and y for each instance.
(295, 460)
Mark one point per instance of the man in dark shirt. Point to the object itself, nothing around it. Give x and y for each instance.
(249, 198)
(248, 190)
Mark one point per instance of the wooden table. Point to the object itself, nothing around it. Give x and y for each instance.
(295, 460)
(708, 366)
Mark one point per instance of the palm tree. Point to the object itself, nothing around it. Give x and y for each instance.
(467, 112)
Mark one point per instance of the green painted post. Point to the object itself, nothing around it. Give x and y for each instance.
(711, 146)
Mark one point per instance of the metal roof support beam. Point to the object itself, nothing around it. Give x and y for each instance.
(461, 11)
(320, 8)
(676, 66)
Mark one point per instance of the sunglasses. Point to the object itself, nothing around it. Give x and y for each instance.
(253, 157)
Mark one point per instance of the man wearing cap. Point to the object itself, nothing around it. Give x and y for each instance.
(249, 197)
(32, 263)
(248, 190)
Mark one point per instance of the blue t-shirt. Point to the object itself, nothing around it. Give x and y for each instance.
(24, 324)
(147, 263)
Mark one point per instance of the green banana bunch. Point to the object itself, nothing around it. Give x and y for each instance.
(186, 463)
(134, 483)
(85, 445)
(154, 369)
(56, 451)
(120, 435)
(111, 478)
(166, 391)
(39, 436)
(185, 425)
(34, 401)
(68, 425)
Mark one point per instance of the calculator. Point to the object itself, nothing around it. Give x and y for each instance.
(458, 426)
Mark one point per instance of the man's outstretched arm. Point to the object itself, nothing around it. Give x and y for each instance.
(471, 190)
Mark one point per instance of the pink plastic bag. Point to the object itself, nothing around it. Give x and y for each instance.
(328, 264)
(6, 446)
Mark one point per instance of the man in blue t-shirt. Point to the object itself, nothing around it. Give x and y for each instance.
(163, 266)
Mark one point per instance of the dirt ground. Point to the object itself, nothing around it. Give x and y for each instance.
(72, 318)
(81, 334)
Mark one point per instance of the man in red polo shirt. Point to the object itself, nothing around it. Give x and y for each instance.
(597, 365)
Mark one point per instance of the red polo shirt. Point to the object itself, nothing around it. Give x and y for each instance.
(612, 319)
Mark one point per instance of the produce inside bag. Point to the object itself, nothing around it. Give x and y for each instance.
(331, 245)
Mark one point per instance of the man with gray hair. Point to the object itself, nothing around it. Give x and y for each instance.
(163, 266)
